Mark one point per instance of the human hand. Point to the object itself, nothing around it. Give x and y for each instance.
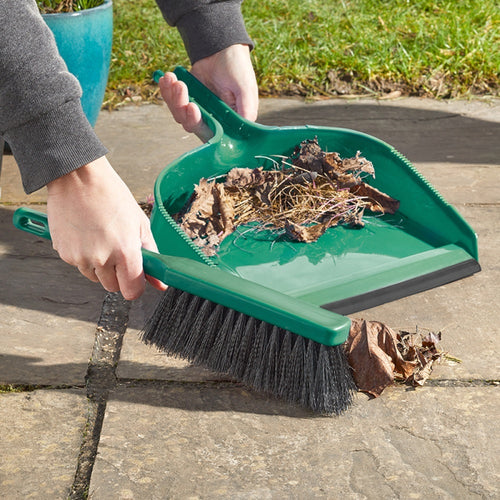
(97, 226)
(229, 74)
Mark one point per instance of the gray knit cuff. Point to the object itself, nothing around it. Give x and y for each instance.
(53, 145)
(207, 31)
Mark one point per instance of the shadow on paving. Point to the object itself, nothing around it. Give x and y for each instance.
(32, 276)
(419, 134)
(208, 395)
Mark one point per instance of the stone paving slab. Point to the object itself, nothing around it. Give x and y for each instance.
(40, 440)
(11, 188)
(198, 441)
(463, 184)
(48, 311)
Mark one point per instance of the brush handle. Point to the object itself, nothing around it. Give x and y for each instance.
(248, 297)
(32, 221)
(229, 290)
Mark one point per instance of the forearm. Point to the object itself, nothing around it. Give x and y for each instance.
(40, 112)
(206, 26)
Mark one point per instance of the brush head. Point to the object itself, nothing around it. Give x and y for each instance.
(258, 354)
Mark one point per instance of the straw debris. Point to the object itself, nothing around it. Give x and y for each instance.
(301, 198)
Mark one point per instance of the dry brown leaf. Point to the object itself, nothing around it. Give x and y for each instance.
(309, 156)
(248, 178)
(209, 217)
(224, 208)
(377, 200)
(425, 352)
(306, 234)
(333, 161)
(358, 164)
(374, 357)
(378, 356)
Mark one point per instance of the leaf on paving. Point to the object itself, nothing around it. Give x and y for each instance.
(378, 356)
(372, 350)
(426, 352)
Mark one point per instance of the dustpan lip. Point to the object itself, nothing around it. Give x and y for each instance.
(405, 288)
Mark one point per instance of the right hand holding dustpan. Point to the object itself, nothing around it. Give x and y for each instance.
(229, 74)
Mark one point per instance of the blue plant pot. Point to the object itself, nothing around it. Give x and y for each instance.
(84, 40)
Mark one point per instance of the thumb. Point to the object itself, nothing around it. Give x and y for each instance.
(247, 105)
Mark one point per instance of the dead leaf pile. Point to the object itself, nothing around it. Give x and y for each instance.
(308, 193)
(378, 356)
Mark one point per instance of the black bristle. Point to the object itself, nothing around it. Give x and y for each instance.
(173, 321)
(218, 355)
(207, 333)
(195, 340)
(238, 333)
(270, 378)
(262, 356)
(253, 372)
(182, 325)
(242, 354)
(284, 368)
(292, 387)
(157, 323)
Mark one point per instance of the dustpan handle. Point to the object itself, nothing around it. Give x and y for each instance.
(210, 283)
(233, 124)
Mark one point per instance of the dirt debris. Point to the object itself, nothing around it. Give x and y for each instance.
(300, 198)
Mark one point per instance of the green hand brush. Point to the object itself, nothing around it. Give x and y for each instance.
(242, 329)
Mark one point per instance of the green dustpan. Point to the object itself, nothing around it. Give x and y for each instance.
(425, 244)
(305, 288)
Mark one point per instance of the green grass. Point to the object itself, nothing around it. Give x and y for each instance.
(325, 48)
(51, 6)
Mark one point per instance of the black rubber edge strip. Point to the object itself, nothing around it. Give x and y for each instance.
(404, 288)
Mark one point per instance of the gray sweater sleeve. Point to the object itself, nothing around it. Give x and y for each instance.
(206, 26)
(40, 112)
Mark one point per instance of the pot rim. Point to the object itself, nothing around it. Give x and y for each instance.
(103, 6)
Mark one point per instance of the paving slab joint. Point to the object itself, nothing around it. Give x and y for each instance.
(100, 379)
